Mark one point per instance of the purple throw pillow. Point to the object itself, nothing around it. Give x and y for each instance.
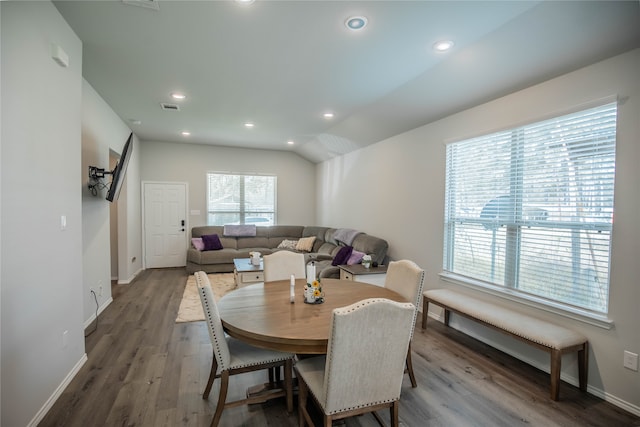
(211, 242)
(342, 256)
(355, 258)
(197, 243)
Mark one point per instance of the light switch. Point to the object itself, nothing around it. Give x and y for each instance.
(63, 222)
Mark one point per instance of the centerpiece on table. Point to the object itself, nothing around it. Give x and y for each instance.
(313, 292)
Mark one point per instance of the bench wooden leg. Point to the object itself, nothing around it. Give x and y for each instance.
(425, 311)
(583, 366)
(556, 366)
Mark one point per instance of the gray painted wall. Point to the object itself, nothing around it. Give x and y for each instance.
(399, 185)
(41, 264)
(102, 131)
(176, 162)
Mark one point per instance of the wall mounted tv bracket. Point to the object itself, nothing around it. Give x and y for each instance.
(96, 175)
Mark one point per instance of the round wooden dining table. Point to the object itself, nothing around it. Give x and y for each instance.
(262, 314)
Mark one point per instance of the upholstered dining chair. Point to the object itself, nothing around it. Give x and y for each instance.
(407, 279)
(281, 265)
(232, 357)
(364, 365)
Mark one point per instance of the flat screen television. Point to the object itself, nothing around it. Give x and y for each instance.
(120, 170)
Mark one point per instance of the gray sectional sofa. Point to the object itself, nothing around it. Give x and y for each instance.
(267, 239)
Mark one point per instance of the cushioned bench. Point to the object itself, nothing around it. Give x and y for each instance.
(544, 335)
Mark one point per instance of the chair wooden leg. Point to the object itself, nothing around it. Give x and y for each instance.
(393, 412)
(303, 392)
(412, 376)
(212, 377)
(222, 398)
(378, 418)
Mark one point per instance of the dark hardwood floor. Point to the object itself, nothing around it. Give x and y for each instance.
(146, 370)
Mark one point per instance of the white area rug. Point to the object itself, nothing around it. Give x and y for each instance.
(190, 307)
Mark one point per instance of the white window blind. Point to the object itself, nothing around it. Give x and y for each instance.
(241, 199)
(531, 208)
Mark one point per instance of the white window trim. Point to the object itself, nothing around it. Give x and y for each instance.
(584, 316)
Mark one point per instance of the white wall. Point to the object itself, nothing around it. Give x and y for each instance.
(175, 162)
(395, 190)
(102, 131)
(41, 264)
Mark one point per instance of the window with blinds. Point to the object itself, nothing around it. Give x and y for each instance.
(241, 199)
(531, 209)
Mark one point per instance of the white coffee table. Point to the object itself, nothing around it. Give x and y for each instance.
(246, 273)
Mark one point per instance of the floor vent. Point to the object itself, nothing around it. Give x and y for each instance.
(169, 107)
(147, 4)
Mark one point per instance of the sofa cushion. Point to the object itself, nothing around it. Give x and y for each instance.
(288, 244)
(197, 243)
(227, 242)
(291, 231)
(211, 242)
(342, 256)
(319, 232)
(305, 244)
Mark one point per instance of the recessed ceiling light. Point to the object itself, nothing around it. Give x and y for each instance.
(328, 115)
(249, 125)
(356, 23)
(185, 133)
(244, 2)
(443, 45)
(178, 95)
(290, 142)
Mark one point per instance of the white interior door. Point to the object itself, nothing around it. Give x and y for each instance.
(165, 224)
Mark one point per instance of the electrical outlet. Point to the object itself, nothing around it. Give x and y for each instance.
(65, 339)
(630, 360)
(100, 291)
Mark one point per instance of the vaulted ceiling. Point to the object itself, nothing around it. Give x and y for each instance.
(282, 65)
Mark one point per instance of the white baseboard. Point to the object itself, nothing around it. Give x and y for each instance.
(100, 310)
(58, 392)
(607, 397)
(130, 279)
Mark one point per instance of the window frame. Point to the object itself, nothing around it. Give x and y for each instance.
(508, 289)
(242, 212)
